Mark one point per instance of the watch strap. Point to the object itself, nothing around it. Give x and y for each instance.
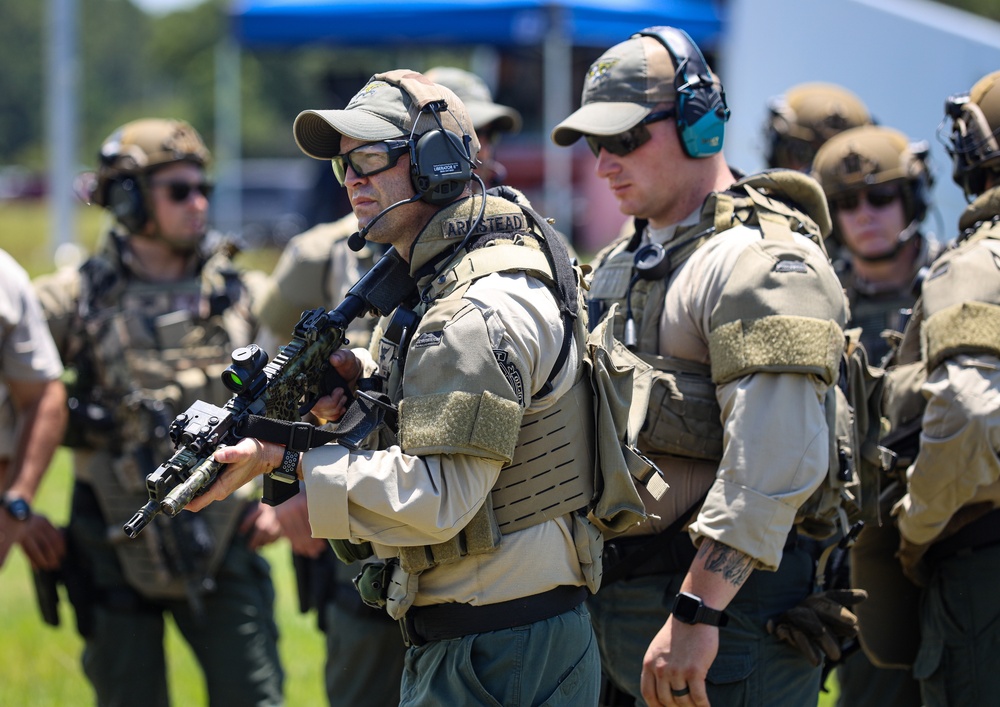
(701, 613)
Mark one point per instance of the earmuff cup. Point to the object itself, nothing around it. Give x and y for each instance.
(123, 197)
(702, 112)
(440, 166)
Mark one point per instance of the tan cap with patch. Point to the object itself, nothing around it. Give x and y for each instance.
(621, 88)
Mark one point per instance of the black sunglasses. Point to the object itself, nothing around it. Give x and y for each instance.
(180, 191)
(877, 198)
(632, 139)
(370, 158)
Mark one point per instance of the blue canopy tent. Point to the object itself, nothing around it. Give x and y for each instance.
(556, 25)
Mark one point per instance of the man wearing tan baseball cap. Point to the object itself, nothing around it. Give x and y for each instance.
(364, 656)
(729, 296)
(489, 594)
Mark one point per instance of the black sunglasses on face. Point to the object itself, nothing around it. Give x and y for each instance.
(632, 139)
(877, 198)
(180, 191)
(370, 158)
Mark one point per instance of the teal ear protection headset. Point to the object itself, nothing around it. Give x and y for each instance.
(701, 106)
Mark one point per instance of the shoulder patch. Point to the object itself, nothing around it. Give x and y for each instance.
(790, 266)
(430, 338)
(511, 373)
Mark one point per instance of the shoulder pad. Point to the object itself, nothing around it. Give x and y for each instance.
(797, 193)
(782, 310)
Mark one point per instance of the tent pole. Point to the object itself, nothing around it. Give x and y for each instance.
(228, 137)
(557, 72)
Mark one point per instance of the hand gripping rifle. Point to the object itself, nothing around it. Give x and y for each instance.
(271, 398)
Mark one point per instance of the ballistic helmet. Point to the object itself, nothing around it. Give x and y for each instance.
(134, 151)
(805, 117)
(873, 155)
(972, 144)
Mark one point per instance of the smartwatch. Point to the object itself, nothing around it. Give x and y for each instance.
(17, 507)
(690, 609)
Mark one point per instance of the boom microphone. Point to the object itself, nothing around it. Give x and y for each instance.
(357, 240)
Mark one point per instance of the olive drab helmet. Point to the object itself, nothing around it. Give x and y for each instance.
(973, 143)
(805, 117)
(872, 154)
(130, 154)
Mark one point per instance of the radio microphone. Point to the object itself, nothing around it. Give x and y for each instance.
(356, 241)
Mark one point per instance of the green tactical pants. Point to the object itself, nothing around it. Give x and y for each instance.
(364, 648)
(752, 667)
(862, 684)
(551, 663)
(959, 658)
(235, 641)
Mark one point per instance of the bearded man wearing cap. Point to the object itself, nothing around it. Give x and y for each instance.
(364, 657)
(723, 287)
(489, 347)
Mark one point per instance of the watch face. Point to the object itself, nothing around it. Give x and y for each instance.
(18, 508)
(686, 608)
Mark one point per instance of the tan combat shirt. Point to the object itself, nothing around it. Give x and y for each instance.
(957, 464)
(392, 498)
(27, 352)
(775, 436)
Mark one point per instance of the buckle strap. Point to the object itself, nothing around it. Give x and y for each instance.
(438, 622)
(296, 436)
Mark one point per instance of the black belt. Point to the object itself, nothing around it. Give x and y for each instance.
(437, 622)
(663, 555)
(980, 533)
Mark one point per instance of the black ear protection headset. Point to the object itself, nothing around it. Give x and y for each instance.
(921, 179)
(126, 202)
(441, 162)
(701, 107)
(121, 193)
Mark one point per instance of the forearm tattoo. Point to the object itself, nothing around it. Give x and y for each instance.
(722, 559)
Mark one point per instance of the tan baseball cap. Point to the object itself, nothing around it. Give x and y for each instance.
(478, 100)
(385, 108)
(621, 88)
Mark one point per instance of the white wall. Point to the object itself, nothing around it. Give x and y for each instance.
(902, 57)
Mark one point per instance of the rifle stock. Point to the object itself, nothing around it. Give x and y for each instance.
(281, 389)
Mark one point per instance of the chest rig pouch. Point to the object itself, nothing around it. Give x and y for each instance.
(684, 419)
(552, 469)
(152, 353)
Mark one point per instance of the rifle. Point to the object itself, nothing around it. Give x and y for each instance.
(270, 398)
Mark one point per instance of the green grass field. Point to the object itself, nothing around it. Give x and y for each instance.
(41, 664)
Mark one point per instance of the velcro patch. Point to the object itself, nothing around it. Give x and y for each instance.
(776, 344)
(966, 327)
(484, 425)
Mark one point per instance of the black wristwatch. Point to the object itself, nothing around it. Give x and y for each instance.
(17, 507)
(690, 609)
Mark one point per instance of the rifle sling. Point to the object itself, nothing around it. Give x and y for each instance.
(369, 410)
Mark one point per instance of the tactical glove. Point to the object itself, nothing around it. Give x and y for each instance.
(820, 624)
